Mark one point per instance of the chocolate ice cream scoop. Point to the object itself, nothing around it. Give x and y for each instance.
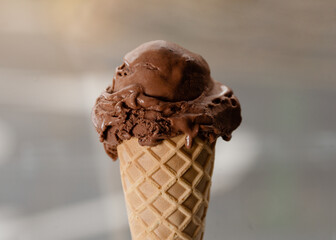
(165, 71)
(160, 91)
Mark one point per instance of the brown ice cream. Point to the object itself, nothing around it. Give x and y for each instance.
(160, 91)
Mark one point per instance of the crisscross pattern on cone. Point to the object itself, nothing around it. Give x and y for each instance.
(166, 188)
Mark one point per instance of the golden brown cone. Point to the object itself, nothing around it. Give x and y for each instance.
(167, 188)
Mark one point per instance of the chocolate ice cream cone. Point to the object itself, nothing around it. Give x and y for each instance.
(166, 187)
(162, 90)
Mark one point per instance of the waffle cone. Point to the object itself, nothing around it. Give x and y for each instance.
(167, 188)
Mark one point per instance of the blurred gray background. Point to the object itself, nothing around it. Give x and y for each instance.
(275, 180)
